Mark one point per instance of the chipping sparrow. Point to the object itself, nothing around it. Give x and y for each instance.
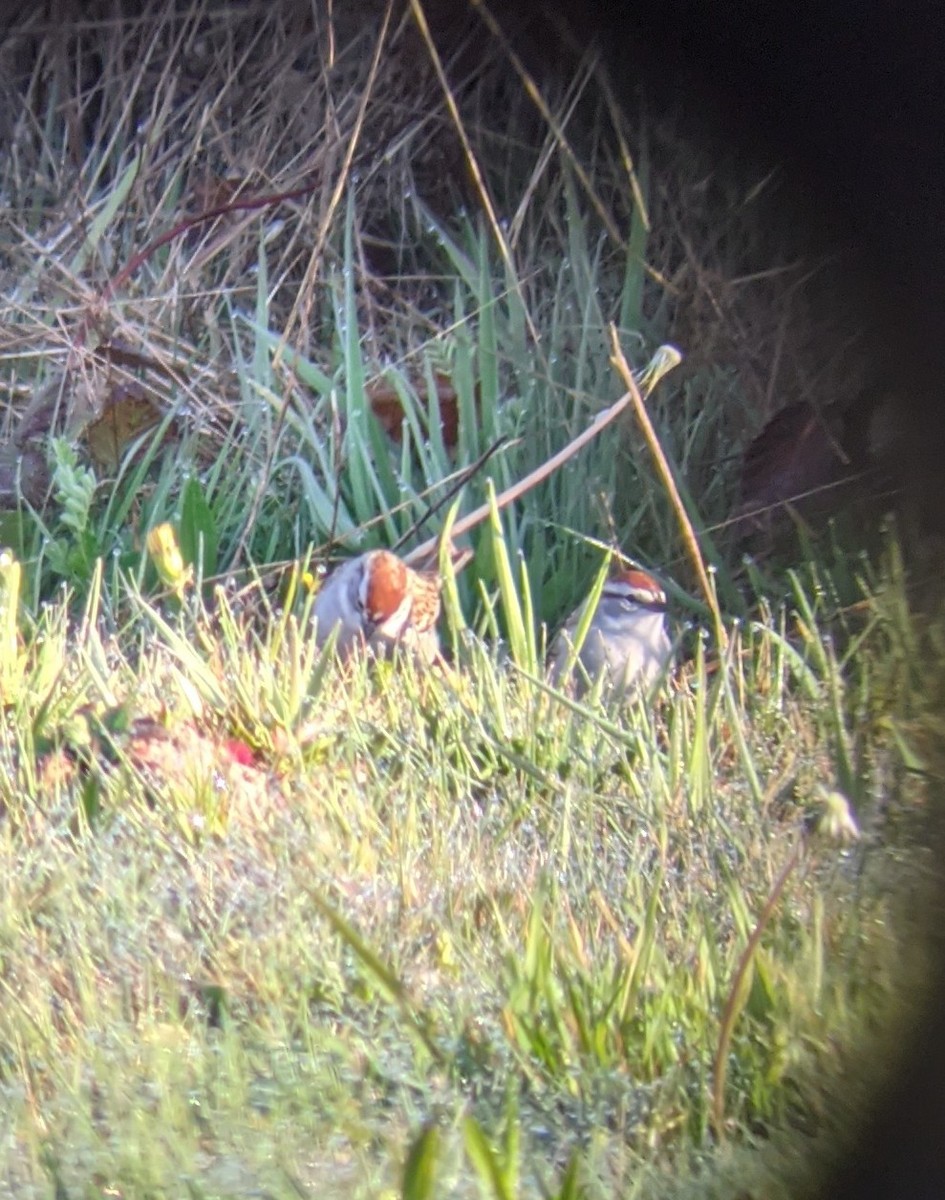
(626, 640)
(379, 602)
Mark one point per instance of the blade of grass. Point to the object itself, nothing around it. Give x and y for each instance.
(485, 1161)
(736, 995)
(501, 241)
(587, 617)
(508, 592)
(384, 975)
(104, 218)
(419, 1180)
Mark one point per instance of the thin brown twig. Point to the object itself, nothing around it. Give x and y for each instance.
(600, 422)
(186, 224)
(531, 480)
(453, 490)
(662, 463)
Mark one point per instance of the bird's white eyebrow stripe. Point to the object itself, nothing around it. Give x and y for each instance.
(654, 601)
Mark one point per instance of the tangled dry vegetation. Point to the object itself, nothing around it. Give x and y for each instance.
(283, 280)
(158, 162)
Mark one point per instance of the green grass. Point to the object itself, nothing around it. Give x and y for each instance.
(431, 901)
(270, 927)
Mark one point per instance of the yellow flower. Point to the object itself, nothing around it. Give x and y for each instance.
(167, 558)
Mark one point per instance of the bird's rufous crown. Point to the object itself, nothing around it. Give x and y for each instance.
(385, 585)
(389, 582)
(632, 583)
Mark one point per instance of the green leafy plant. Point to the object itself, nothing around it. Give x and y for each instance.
(74, 548)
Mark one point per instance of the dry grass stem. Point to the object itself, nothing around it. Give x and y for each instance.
(473, 163)
(666, 474)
